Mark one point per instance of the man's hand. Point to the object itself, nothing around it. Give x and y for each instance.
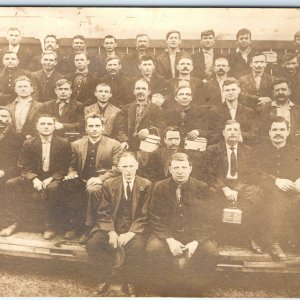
(71, 176)
(285, 184)
(193, 134)
(191, 247)
(297, 185)
(94, 181)
(158, 99)
(230, 194)
(2, 173)
(37, 184)
(113, 239)
(124, 146)
(175, 246)
(28, 136)
(263, 100)
(124, 238)
(46, 182)
(59, 125)
(143, 133)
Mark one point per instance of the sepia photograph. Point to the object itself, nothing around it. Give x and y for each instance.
(149, 152)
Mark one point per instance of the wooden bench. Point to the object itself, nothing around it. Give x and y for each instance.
(232, 259)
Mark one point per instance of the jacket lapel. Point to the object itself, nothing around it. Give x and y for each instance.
(83, 146)
(100, 151)
(131, 117)
(107, 113)
(135, 196)
(118, 192)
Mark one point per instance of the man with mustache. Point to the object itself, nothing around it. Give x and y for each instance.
(276, 166)
(257, 86)
(213, 89)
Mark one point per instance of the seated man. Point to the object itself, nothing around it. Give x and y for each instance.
(121, 223)
(180, 215)
(44, 162)
(278, 173)
(95, 158)
(104, 108)
(230, 163)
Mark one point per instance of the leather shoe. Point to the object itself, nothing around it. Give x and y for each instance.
(84, 238)
(255, 247)
(49, 234)
(9, 230)
(71, 234)
(131, 287)
(277, 253)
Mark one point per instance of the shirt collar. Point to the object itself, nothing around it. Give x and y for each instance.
(290, 104)
(130, 183)
(142, 103)
(176, 51)
(85, 73)
(29, 100)
(59, 101)
(238, 50)
(92, 142)
(210, 51)
(257, 75)
(46, 139)
(228, 147)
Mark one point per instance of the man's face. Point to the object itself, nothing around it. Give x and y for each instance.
(185, 66)
(78, 45)
(231, 92)
(23, 88)
(290, 66)
(49, 62)
(281, 92)
(10, 60)
(221, 66)
(142, 43)
(172, 140)
(279, 133)
(232, 133)
(81, 61)
(147, 67)
(128, 167)
(180, 170)
(63, 92)
(109, 44)
(208, 41)
(184, 97)
(45, 126)
(13, 37)
(103, 93)
(50, 43)
(113, 66)
(94, 127)
(173, 40)
(258, 63)
(5, 118)
(141, 90)
(244, 41)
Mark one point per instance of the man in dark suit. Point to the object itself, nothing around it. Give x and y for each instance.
(277, 172)
(83, 80)
(135, 119)
(204, 59)
(231, 109)
(239, 60)
(47, 76)
(68, 112)
(230, 163)
(122, 221)
(257, 86)
(131, 61)
(213, 89)
(181, 234)
(104, 108)
(44, 162)
(24, 109)
(166, 62)
(94, 159)
(117, 81)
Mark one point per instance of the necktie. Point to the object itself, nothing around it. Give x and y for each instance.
(257, 81)
(233, 169)
(128, 191)
(61, 108)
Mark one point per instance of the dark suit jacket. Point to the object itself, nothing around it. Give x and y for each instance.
(71, 117)
(30, 159)
(249, 94)
(29, 126)
(110, 116)
(218, 165)
(163, 64)
(126, 125)
(109, 207)
(212, 93)
(197, 210)
(107, 158)
(199, 63)
(45, 85)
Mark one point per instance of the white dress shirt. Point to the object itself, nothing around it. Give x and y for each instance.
(229, 151)
(21, 112)
(125, 183)
(46, 146)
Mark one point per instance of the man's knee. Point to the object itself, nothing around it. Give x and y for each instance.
(97, 243)
(156, 246)
(14, 182)
(92, 190)
(209, 249)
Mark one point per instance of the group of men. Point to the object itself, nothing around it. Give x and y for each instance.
(140, 156)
